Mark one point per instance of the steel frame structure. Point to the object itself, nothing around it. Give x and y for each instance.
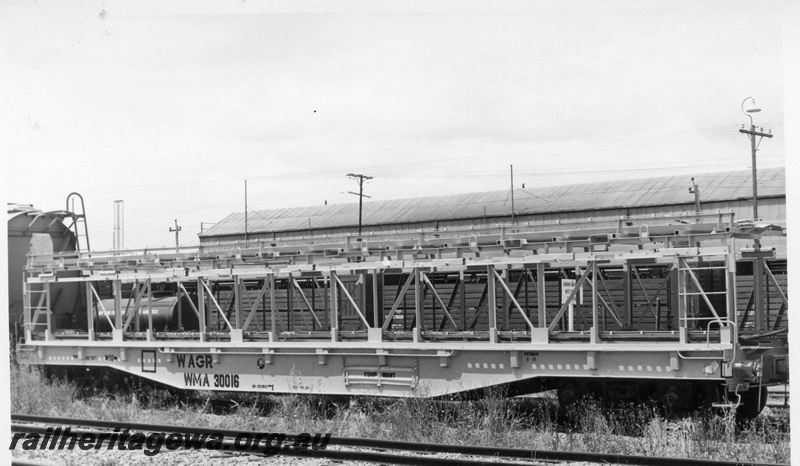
(701, 336)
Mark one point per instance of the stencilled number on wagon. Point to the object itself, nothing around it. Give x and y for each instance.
(226, 380)
(386, 375)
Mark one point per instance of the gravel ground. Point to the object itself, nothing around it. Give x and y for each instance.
(165, 458)
(192, 458)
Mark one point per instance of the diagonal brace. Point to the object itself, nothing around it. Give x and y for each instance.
(605, 304)
(777, 286)
(397, 301)
(350, 298)
(569, 299)
(191, 304)
(100, 303)
(702, 292)
(513, 299)
(253, 309)
(308, 304)
(137, 302)
(441, 303)
(214, 301)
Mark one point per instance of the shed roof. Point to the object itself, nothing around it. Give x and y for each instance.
(670, 190)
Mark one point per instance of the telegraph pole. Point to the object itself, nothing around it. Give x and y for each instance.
(245, 210)
(360, 178)
(758, 259)
(695, 189)
(177, 230)
(512, 195)
(752, 134)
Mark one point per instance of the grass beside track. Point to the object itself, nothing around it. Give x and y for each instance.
(493, 421)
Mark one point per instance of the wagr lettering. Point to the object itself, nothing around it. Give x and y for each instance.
(198, 361)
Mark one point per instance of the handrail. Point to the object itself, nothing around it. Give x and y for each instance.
(708, 342)
(617, 229)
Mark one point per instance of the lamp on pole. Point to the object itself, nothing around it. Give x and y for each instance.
(752, 134)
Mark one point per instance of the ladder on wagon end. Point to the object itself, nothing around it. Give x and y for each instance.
(40, 294)
(78, 221)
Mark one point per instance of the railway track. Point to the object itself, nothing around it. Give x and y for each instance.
(346, 449)
(778, 396)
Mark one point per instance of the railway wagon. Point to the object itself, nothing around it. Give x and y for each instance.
(34, 231)
(683, 310)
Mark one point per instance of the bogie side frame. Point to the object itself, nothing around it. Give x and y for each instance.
(430, 313)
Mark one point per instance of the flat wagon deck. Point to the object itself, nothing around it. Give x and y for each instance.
(642, 308)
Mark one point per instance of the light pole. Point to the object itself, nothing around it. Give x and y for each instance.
(752, 133)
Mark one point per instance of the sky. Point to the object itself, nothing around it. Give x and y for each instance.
(171, 106)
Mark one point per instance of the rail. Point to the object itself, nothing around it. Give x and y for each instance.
(39, 425)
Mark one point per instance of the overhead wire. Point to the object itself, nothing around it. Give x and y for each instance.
(623, 142)
(322, 180)
(395, 168)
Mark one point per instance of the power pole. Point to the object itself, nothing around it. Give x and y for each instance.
(512, 194)
(695, 189)
(360, 178)
(177, 230)
(119, 225)
(245, 210)
(761, 321)
(752, 134)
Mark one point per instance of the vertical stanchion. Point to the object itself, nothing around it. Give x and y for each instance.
(48, 313)
(273, 331)
(334, 315)
(180, 309)
(627, 288)
(89, 313)
(463, 300)
(492, 298)
(418, 305)
(201, 308)
(540, 295)
(137, 292)
(27, 310)
(376, 323)
(506, 308)
(210, 304)
(149, 314)
(683, 302)
(758, 293)
(730, 285)
(118, 309)
(237, 303)
(313, 287)
(595, 337)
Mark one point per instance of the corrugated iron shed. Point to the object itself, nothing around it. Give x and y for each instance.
(671, 190)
